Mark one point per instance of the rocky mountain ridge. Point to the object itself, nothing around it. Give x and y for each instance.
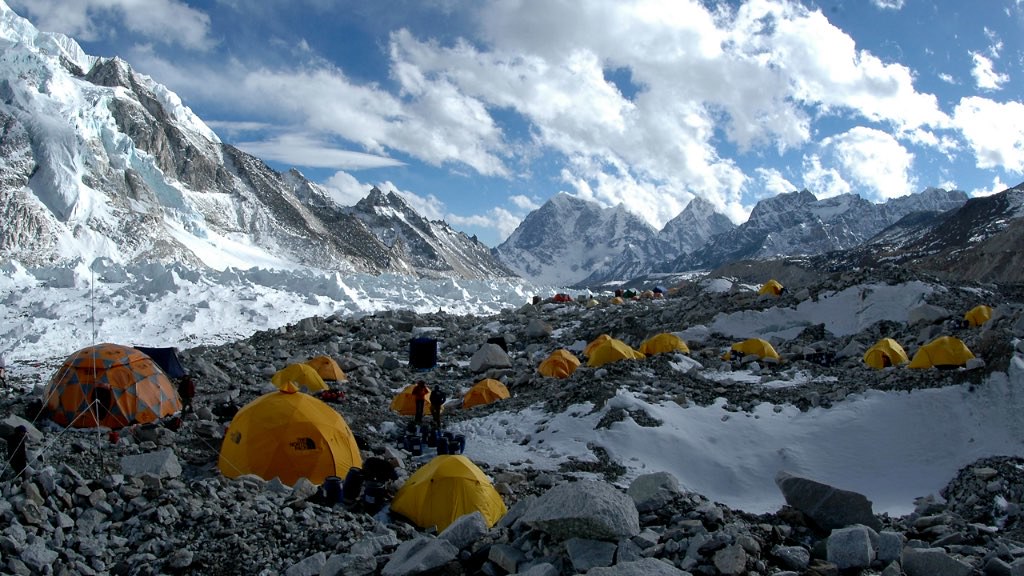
(100, 161)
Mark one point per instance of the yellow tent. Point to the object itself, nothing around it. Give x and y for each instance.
(446, 488)
(943, 352)
(302, 375)
(978, 315)
(663, 342)
(327, 368)
(288, 435)
(560, 364)
(484, 392)
(405, 403)
(885, 352)
(757, 346)
(612, 351)
(771, 287)
(617, 300)
(595, 343)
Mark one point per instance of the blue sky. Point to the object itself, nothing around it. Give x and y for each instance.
(478, 111)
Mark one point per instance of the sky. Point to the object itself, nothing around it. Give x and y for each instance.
(893, 447)
(479, 111)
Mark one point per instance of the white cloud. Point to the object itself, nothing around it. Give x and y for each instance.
(877, 164)
(985, 75)
(821, 181)
(995, 132)
(498, 219)
(773, 182)
(305, 150)
(164, 21)
(524, 202)
(947, 78)
(997, 186)
(889, 4)
(345, 189)
(430, 206)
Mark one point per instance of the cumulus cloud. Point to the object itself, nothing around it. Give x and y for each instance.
(345, 189)
(874, 161)
(524, 202)
(164, 21)
(773, 183)
(994, 131)
(984, 73)
(821, 181)
(997, 186)
(498, 219)
(889, 4)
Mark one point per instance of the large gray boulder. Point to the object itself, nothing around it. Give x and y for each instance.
(645, 567)
(489, 356)
(584, 509)
(652, 491)
(933, 562)
(827, 506)
(420, 555)
(162, 464)
(850, 547)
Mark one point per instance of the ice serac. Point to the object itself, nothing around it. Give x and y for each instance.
(101, 161)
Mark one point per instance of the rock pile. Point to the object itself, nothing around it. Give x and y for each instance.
(149, 500)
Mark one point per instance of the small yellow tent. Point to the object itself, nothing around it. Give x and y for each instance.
(761, 348)
(288, 435)
(595, 343)
(302, 375)
(664, 342)
(617, 300)
(943, 352)
(978, 315)
(885, 352)
(405, 403)
(446, 488)
(484, 392)
(327, 368)
(560, 364)
(771, 287)
(612, 351)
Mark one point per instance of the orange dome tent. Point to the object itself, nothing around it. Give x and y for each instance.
(302, 375)
(484, 392)
(664, 342)
(287, 435)
(612, 351)
(595, 343)
(445, 489)
(405, 403)
(885, 352)
(109, 385)
(560, 364)
(327, 368)
(757, 346)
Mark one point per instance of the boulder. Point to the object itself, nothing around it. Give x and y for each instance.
(652, 491)
(933, 562)
(645, 567)
(162, 464)
(489, 356)
(850, 547)
(420, 555)
(586, 554)
(466, 530)
(927, 313)
(828, 507)
(584, 509)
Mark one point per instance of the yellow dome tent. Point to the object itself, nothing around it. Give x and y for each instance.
(771, 287)
(943, 352)
(978, 315)
(327, 368)
(288, 435)
(612, 351)
(444, 489)
(885, 352)
(109, 385)
(595, 343)
(302, 375)
(560, 364)
(484, 392)
(761, 348)
(664, 342)
(617, 300)
(405, 403)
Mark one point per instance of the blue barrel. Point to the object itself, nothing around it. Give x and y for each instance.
(374, 492)
(416, 446)
(442, 445)
(430, 437)
(458, 444)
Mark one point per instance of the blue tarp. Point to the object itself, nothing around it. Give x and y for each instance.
(166, 358)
